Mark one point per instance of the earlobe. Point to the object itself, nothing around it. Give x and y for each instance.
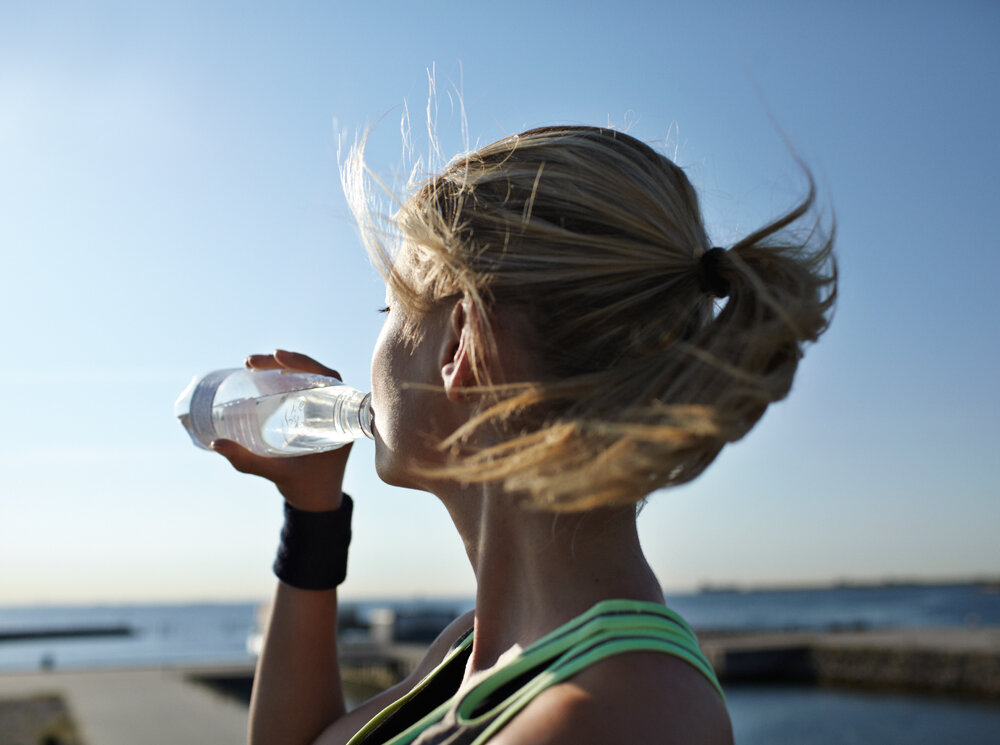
(456, 358)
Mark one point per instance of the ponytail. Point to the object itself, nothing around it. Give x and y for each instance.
(597, 242)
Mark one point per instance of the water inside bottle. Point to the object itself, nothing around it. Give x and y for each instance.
(293, 423)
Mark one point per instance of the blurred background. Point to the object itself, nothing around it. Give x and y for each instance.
(170, 201)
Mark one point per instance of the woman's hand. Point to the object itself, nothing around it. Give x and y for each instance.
(308, 482)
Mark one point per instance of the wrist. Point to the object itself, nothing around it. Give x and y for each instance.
(312, 554)
(327, 501)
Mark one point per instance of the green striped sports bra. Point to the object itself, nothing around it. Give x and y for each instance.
(611, 627)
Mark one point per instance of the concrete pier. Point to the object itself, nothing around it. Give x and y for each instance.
(959, 662)
(125, 707)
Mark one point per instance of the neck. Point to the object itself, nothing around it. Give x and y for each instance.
(537, 570)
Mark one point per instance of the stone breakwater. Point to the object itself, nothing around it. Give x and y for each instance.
(70, 632)
(959, 662)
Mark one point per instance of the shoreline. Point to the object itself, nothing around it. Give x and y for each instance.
(962, 663)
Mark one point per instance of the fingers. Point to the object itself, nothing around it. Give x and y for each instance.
(262, 362)
(311, 482)
(284, 360)
(296, 361)
(242, 459)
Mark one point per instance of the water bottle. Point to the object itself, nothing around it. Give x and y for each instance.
(276, 413)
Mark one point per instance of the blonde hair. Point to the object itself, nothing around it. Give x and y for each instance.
(597, 239)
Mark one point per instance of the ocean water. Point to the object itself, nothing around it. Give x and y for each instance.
(849, 607)
(162, 635)
(765, 715)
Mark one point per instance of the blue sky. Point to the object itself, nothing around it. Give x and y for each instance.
(170, 201)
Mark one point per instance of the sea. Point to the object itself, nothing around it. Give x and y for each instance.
(218, 633)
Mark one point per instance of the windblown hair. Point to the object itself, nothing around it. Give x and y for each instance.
(596, 239)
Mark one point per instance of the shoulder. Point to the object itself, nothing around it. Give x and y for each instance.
(438, 650)
(631, 697)
(345, 728)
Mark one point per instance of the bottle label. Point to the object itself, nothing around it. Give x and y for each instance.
(202, 426)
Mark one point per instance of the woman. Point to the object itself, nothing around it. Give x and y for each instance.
(555, 349)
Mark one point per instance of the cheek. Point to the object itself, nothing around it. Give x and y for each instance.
(389, 404)
(386, 374)
(380, 374)
(378, 358)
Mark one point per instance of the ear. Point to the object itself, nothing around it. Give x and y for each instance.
(456, 350)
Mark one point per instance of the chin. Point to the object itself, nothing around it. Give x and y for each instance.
(390, 469)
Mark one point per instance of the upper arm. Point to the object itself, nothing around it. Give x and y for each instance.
(632, 697)
(348, 725)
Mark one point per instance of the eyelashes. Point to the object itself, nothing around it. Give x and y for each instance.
(384, 310)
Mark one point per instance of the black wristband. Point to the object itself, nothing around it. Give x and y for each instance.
(312, 554)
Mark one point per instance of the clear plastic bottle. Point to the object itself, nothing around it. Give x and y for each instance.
(274, 412)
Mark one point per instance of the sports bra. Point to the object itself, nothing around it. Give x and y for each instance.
(611, 627)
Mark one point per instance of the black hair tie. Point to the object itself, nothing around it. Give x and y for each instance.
(710, 270)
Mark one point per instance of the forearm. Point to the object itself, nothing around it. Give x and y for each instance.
(297, 690)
